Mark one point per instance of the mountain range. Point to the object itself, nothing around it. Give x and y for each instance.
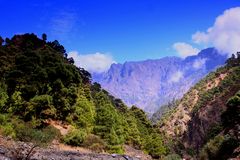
(150, 84)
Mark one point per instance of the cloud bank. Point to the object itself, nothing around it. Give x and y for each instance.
(199, 63)
(95, 63)
(224, 34)
(184, 49)
(176, 77)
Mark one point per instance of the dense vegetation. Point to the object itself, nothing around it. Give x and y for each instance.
(222, 145)
(39, 82)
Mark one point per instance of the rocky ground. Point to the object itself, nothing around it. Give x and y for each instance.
(11, 150)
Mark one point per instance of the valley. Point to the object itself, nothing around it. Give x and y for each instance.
(52, 109)
(152, 83)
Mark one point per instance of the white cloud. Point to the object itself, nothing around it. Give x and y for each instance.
(184, 49)
(96, 62)
(224, 34)
(199, 63)
(176, 77)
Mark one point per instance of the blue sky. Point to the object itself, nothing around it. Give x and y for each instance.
(126, 30)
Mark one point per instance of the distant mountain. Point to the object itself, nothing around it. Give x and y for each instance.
(151, 83)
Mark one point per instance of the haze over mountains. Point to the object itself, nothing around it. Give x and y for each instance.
(151, 83)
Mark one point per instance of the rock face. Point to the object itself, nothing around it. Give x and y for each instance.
(152, 83)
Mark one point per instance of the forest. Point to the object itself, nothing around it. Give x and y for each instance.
(39, 82)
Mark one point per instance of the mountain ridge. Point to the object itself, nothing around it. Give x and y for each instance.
(205, 122)
(145, 83)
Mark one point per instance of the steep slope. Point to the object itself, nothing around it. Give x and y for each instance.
(152, 83)
(198, 121)
(39, 85)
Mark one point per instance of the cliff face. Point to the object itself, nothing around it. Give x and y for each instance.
(206, 120)
(152, 83)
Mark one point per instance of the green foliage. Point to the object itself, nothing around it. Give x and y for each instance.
(213, 90)
(84, 113)
(17, 129)
(41, 107)
(8, 130)
(220, 147)
(213, 131)
(39, 137)
(144, 125)
(3, 96)
(210, 150)
(108, 122)
(94, 143)
(154, 146)
(231, 116)
(39, 82)
(115, 149)
(75, 137)
(6, 127)
(172, 157)
(233, 60)
(134, 135)
(228, 83)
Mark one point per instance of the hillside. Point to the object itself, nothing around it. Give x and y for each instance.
(45, 98)
(152, 83)
(205, 122)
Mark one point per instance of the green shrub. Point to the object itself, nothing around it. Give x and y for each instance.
(96, 147)
(51, 132)
(75, 137)
(211, 149)
(40, 137)
(3, 119)
(115, 149)
(6, 127)
(172, 157)
(94, 143)
(213, 131)
(7, 130)
(154, 146)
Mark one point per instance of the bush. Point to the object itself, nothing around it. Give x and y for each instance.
(96, 147)
(75, 137)
(211, 149)
(154, 146)
(8, 130)
(6, 127)
(213, 131)
(3, 119)
(39, 137)
(115, 149)
(94, 143)
(3, 96)
(172, 157)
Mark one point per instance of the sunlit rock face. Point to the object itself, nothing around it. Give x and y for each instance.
(151, 83)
